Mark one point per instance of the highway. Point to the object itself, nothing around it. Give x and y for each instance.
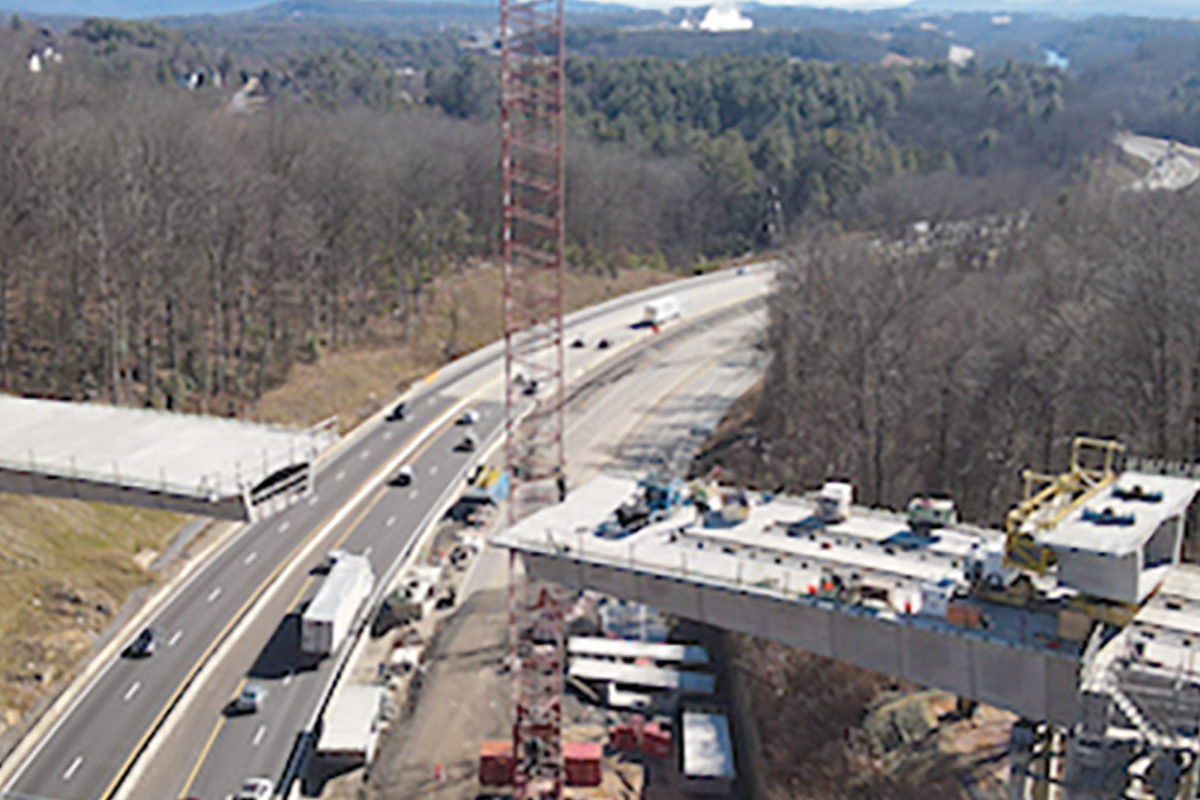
(262, 573)
(643, 418)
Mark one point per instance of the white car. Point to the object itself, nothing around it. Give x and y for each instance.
(255, 789)
(404, 476)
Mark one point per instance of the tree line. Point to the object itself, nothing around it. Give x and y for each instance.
(813, 136)
(157, 248)
(945, 361)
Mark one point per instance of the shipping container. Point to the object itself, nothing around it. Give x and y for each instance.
(582, 762)
(496, 763)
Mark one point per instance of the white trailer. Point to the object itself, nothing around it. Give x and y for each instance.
(331, 614)
(350, 726)
(659, 311)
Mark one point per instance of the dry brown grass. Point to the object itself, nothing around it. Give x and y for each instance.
(352, 383)
(65, 568)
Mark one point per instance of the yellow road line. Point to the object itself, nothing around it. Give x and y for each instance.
(194, 670)
(208, 651)
(187, 787)
(353, 526)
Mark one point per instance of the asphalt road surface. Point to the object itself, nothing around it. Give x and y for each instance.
(262, 575)
(657, 415)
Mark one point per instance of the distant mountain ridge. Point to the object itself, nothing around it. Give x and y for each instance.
(131, 9)
(151, 9)
(1170, 9)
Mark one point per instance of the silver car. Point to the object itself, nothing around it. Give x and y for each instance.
(250, 699)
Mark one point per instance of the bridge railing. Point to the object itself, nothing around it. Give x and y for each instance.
(777, 581)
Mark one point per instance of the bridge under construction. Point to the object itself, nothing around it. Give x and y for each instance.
(1080, 616)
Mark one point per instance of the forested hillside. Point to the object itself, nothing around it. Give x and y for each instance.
(946, 361)
(160, 247)
(236, 243)
(816, 135)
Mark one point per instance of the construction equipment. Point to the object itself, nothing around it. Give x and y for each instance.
(658, 494)
(1049, 498)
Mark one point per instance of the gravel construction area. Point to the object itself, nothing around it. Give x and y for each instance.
(459, 698)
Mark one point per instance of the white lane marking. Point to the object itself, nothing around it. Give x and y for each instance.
(387, 435)
(248, 560)
(366, 552)
(258, 737)
(203, 571)
(133, 690)
(412, 495)
(71, 769)
(286, 524)
(365, 454)
(392, 520)
(341, 474)
(433, 470)
(214, 594)
(174, 640)
(287, 679)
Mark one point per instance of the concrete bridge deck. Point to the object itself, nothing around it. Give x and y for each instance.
(770, 577)
(208, 466)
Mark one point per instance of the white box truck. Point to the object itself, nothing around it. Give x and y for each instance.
(659, 311)
(329, 617)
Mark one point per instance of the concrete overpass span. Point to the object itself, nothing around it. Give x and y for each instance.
(1079, 614)
(759, 577)
(191, 464)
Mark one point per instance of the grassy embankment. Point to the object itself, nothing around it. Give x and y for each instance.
(67, 567)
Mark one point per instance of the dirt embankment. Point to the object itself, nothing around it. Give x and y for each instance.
(463, 313)
(830, 731)
(67, 568)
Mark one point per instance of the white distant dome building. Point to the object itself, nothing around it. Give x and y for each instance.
(725, 17)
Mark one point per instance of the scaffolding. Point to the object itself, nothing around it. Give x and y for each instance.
(532, 175)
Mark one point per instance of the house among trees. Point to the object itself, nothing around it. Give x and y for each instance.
(252, 95)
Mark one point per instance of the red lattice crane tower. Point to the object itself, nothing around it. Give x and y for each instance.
(533, 174)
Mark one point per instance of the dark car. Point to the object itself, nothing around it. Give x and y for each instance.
(467, 445)
(603, 344)
(144, 645)
(400, 411)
